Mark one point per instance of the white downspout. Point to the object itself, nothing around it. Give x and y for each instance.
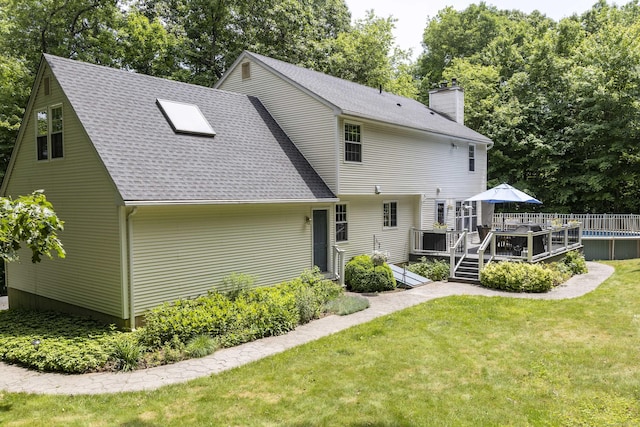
(132, 311)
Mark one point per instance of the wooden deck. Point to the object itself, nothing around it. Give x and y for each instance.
(467, 256)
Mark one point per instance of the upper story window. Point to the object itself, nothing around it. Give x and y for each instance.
(49, 131)
(352, 143)
(472, 158)
(342, 225)
(390, 214)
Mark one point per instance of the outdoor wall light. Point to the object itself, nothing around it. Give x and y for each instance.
(378, 189)
(35, 344)
(307, 219)
(454, 146)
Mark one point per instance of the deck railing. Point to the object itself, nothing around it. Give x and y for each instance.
(594, 224)
(530, 246)
(429, 242)
(338, 265)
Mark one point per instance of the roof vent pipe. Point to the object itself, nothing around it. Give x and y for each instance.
(454, 82)
(380, 89)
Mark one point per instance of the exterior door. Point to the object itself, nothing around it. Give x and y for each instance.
(321, 239)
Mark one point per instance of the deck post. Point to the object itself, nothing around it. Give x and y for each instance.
(529, 245)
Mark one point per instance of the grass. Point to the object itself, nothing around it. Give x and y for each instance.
(456, 361)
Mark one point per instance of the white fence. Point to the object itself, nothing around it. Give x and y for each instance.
(593, 224)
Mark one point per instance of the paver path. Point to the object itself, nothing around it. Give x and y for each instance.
(16, 379)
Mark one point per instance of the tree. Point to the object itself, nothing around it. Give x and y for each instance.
(366, 54)
(29, 220)
(560, 100)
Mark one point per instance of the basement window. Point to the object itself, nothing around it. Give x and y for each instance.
(185, 118)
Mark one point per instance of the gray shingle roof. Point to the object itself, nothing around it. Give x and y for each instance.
(249, 159)
(361, 101)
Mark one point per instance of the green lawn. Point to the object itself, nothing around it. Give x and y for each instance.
(455, 361)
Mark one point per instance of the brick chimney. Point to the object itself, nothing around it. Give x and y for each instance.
(448, 100)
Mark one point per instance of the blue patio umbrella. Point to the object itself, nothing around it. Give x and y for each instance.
(503, 193)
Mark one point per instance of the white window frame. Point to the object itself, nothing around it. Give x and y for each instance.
(346, 141)
(387, 219)
(466, 218)
(49, 149)
(345, 222)
(472, 158)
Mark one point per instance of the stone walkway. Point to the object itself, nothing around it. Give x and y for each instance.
(16, 379)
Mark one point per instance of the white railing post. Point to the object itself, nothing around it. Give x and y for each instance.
(338, 265)
(529, 245)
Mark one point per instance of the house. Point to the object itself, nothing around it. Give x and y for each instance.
(166, 188)
(394, 163)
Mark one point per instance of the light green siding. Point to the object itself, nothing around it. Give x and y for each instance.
(185, 251)
(365, 224)
(84, 198)
(310, 124)
(403, 162)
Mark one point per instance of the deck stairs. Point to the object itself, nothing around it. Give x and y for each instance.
(467, 271)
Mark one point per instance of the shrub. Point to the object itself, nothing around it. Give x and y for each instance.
(517, 277)
(213, 315)
(127, 352)
(236, 283)
(435, 270)
(347, 304)
(576, 262)
(200, 346)
(361, 275)
(560, 271)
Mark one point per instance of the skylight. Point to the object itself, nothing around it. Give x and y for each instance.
(185, 118)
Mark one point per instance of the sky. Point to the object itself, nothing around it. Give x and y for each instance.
(412, 15)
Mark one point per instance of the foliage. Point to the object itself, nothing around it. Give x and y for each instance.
(575, 262)
(68, 344)
(31, 220)
(251, 314)
(127, 352)
(435, 270)
(517, 277)
(347, 304)
(559, 99)
(201, 346)
(361, 275)
(235, 283)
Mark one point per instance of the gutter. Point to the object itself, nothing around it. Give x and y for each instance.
(135, 203)
(132, 311)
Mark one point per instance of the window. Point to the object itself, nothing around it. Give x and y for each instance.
(342, 229)
(466, 216)
(352, 143)
(56, 133)
(42, 135)
(440, 213)
(472, 158)
(246, 70)
(185, 118)
(390, 214)
(49, 131)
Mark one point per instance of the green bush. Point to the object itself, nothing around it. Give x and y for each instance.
(236, 283)
(127, 352)
(200, 346)
(517, 277)
(436, 270)
(560, 271)
(361, 275)
(251, 314)
(213, 315)
(576, 262)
